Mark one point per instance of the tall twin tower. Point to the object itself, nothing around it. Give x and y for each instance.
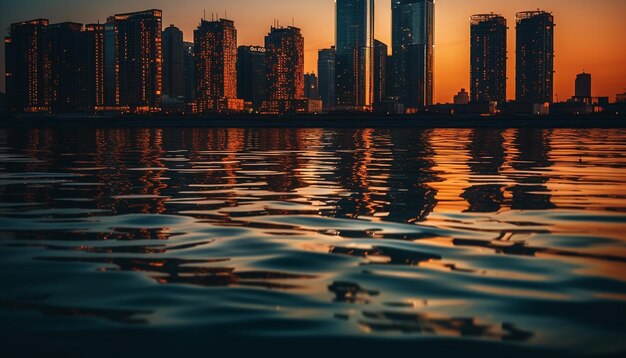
(410, 74)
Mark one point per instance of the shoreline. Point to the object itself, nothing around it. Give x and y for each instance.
(429, 121)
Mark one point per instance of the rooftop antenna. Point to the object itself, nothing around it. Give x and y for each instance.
(204, 16)
(293, 22)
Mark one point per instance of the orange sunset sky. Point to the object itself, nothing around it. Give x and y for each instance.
(589, 34)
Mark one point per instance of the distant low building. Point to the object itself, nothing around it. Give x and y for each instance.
(621, 98)
(462, 97)
(311, 89)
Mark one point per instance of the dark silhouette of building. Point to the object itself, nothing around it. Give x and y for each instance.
(355, 54)
(27, 65)
(284, 68)
(583, 85)
(535, 57)
(251, 75)
(311, 90)
(413, 47)
(462, 97)
(138, 60)
(173, 62)
(215, 48)
(380, 71)
(2, 102)
(326, 76)
(488, 58)
(189, 71)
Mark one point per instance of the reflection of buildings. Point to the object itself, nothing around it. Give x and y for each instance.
(389, 179)
(487, 156)
(216, 67)
(354, 54)
(533, 155)
(138, 60)
(413, 46)
(535, 57)
(488, 58)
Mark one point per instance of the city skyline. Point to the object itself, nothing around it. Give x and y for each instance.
(573, 53)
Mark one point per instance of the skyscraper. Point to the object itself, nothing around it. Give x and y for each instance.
(92, 51)
(251, 74)
(355, 54)
(138, 60)
(535, 57)
(173, 58)
(189, 71)
(583, 85)
(311, 89)
(380, 71)
(284, 64)
(488, 58)
(27, 67)
(326, 76)
(215, 49)
(65, 66)
(413, 47)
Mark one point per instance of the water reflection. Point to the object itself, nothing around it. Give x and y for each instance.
(366, 232)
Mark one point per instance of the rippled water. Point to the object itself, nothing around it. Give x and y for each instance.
(473, 238)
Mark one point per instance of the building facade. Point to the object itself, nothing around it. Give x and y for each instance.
(215, 51)
(380, 71)
(488, 52)
(189, 72)
(251, 75)
(311, 87)
(354, 54)
(92, 52)
(173, 62)
(138, 60)
(27, 65)
(413, 48)
(284, 68)
(535, 57)
(326, 76)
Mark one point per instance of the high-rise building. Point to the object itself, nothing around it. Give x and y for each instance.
(284, 64)
(488, 58)
(535, 57)
(311, 89)
(326, 76)
(355, 54)
(583, 85)
(189, 71)
(65, 66)
(138, 60)
(93, 77)
(251, 75)
(380, 71)
(413, 47)
(27, 67)
(173, 61)
(215, 50)
(110, 72)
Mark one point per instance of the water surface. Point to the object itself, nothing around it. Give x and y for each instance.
(474, 239)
